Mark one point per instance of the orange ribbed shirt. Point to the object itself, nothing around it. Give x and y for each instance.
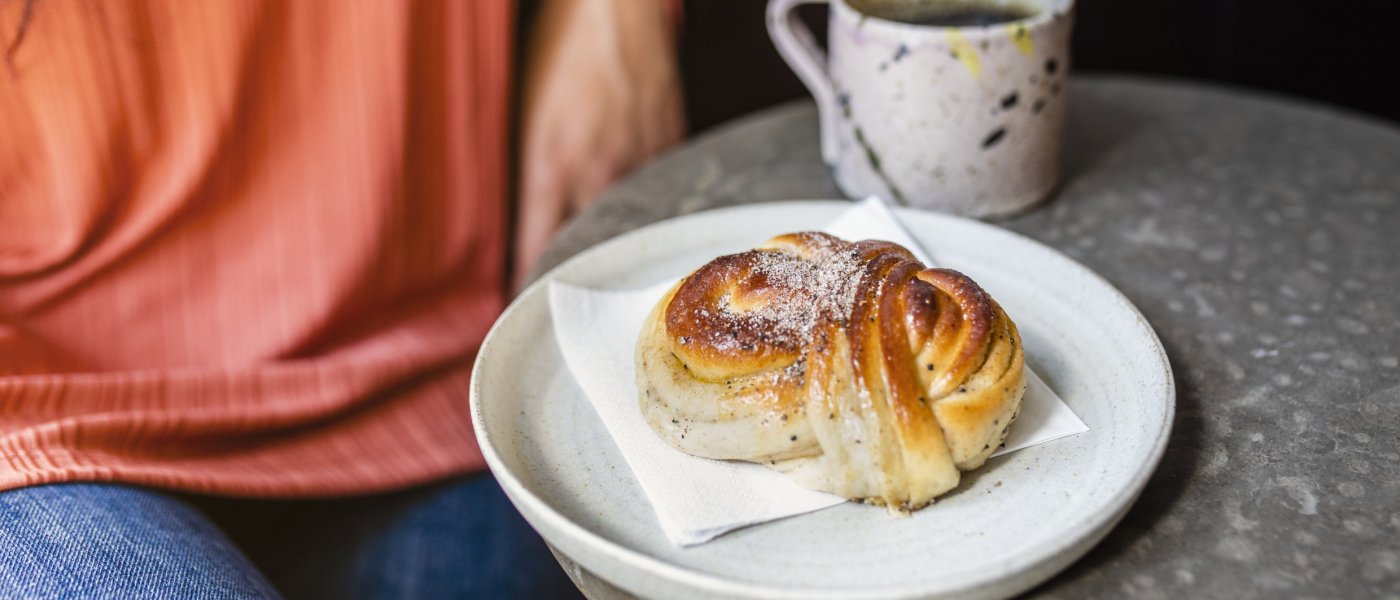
(248, 247)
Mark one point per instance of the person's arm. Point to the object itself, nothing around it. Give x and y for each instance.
(601, 95)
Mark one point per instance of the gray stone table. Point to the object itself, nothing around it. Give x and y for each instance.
(1261, 238)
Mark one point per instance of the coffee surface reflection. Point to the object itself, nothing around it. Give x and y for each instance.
(944, 13)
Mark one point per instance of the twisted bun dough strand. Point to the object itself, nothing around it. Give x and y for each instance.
(849, 366)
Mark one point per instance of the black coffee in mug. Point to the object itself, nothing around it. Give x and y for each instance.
(944, 13)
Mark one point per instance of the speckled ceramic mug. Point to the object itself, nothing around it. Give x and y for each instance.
(965, 120)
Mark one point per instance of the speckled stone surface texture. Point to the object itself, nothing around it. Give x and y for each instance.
(1261, 238)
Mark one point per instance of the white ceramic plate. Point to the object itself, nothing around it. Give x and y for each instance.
(1011, 524)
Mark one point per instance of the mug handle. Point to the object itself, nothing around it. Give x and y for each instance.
(795, 43)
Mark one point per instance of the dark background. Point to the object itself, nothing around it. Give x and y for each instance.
(1341, 52)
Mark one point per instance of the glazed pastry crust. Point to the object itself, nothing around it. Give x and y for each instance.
(849, 366)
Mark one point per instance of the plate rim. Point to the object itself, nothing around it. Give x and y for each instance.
(1078, 539)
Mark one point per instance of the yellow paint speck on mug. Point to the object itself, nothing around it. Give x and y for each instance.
(1021, 37)
(964, 52)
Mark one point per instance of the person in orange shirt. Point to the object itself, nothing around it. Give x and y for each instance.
(248, 250)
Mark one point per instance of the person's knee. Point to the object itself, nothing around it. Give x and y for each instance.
(90, 540)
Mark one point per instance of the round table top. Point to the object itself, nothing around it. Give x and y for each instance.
(1261, 238)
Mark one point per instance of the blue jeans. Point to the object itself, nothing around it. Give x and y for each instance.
(458, 539)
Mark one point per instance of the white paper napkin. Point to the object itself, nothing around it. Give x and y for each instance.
(698, 499)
